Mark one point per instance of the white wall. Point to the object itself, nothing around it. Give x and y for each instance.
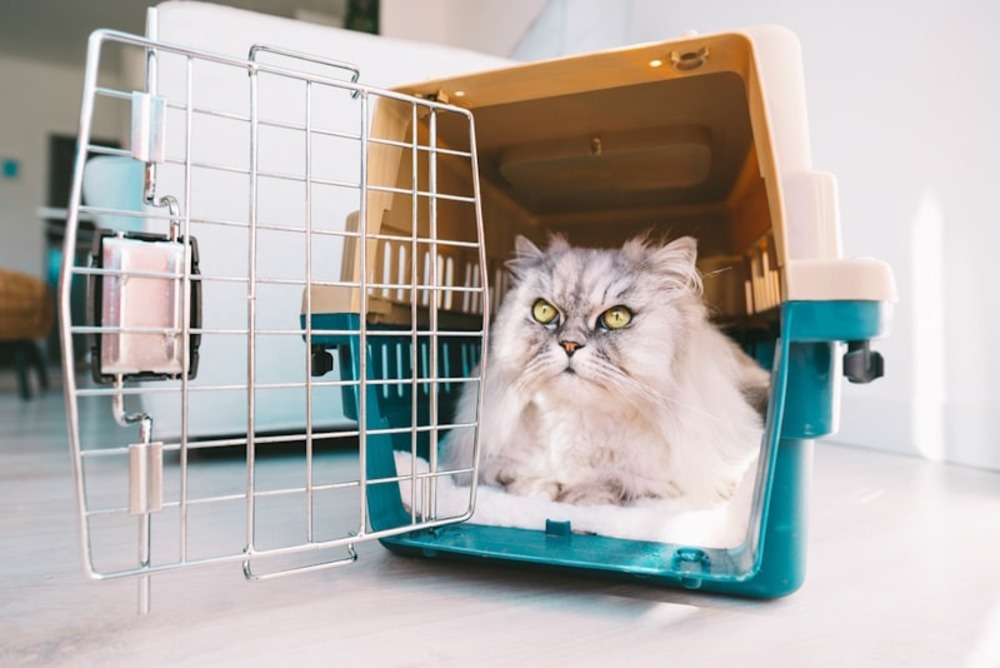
(39, 100)
(487, 26)
(902, 106)
(566, 27)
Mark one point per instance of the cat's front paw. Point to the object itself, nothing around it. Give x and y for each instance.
(536, 487)
(726, 489)
(594, 494)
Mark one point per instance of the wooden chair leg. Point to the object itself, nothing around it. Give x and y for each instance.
(28, 356)
(37, 359)
(21, 367)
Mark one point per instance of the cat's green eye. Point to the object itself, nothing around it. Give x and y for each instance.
(544, 312)
(616, 317)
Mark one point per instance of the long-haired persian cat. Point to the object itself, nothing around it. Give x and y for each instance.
(606, 382)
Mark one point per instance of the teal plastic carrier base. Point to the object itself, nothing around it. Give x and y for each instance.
(771, 560)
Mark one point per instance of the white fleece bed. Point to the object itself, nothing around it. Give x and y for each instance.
(663, 521)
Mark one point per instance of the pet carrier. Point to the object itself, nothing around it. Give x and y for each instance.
(398, 209)
(704, 136)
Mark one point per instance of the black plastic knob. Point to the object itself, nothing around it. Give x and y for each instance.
(322, 362)
(861, 363)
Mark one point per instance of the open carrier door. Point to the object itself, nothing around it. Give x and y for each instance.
(194, 304)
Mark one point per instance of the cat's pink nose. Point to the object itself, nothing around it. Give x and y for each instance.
(570, 347)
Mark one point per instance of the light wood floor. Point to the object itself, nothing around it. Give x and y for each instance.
(904, 569)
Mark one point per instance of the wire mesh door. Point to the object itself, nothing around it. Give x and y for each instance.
(286, 292)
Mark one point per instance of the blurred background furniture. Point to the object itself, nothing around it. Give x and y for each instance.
(26, 314)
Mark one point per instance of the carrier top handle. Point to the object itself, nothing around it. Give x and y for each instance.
(861, 363)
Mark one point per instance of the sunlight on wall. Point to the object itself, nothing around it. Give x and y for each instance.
(928, 309)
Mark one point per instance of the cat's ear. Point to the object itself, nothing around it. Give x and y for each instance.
(557, 243)
(682, 251)
(677, 261)
(524, 249)
(526, 254)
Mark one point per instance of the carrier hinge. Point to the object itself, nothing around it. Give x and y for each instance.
(149, 138)
(145, 467)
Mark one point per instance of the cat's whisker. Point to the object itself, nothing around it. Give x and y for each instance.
(662, 400)
(716, 272)
(695, 409)
(530, 373)
(618, 379)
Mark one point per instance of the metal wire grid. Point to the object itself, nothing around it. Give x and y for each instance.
(94, 456)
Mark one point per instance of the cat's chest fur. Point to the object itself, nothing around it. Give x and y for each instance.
(572, 450)
(569, 433)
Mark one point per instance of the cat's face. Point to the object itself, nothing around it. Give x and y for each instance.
(583, 324)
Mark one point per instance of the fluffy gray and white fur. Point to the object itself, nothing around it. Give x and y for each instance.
(607, 383)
